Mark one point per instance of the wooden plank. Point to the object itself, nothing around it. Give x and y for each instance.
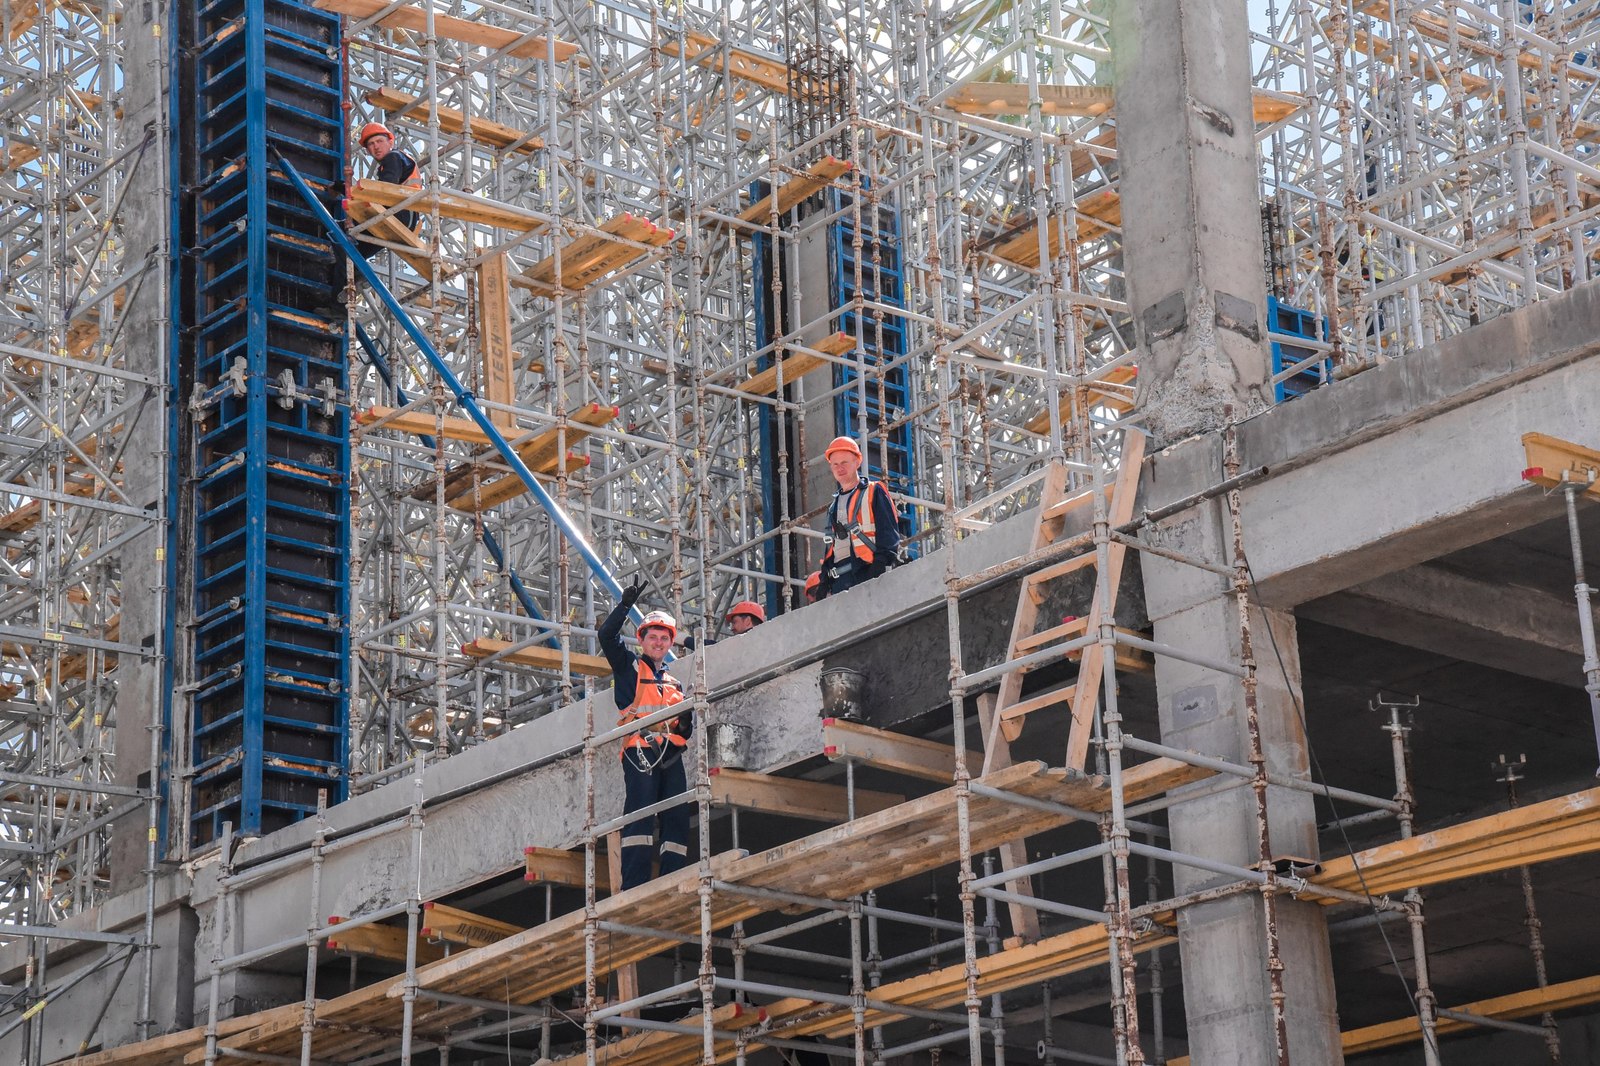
(451, 203)
(390, 230)
(912, 756)
(376, 941)
(594, 255)
(1087, 697)
(454, 123)
(791, 193)
(538, 655)
(414, 17)
(454, 926)
(1113, 389)
(553, 866)
(167, 1048)
(796, 365)
(1099, 213)
(1553, 462)
(1011, 717)
(1539, 832)
(1565, 995)
(663, 1048)
(793, 797)
(742, 63)
(999, 99)
(540, 454)
(494, 338)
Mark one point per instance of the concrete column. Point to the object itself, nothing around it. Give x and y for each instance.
(1224, 944)
(1191, 225)
(143, 347)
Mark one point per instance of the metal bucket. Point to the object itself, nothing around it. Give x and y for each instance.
(730, 745)
(843, 693)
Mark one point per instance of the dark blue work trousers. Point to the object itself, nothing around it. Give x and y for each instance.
(644, 786)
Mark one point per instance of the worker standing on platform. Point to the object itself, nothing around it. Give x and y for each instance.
(391, 165)
(863, 532)
(745, 616)
(652, 760)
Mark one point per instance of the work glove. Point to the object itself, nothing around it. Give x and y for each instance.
(631, 594)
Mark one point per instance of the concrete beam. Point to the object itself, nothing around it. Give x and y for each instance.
(1519, 630)
(1404, 463)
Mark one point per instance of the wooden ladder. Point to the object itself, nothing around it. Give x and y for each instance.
(1001, 715)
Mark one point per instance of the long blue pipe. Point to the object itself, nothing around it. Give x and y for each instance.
(463, 395)
(376, 357)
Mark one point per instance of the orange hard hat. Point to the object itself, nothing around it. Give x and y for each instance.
(842, 444)
(659, 619)
(812, 584)
(371, 130)
(749, 607)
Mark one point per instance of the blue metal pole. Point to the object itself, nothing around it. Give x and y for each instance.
(518, 589)
(463, 395)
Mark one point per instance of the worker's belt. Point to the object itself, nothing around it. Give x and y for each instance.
(843, 567)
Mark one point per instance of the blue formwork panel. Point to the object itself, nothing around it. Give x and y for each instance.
(1298, 323)
(265, 466)
(881, 341)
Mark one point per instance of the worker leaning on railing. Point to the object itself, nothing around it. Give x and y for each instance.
(652, 759)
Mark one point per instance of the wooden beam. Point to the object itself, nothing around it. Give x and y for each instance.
(377, 941)
(793, 797)
(540, 454)
(494, 338)
(1553, 462)
(454, 926)
(450, 202)
(911, 756)
(796, 365)
(414, 17)
(552, 866)
(454, 123)
(538, 655)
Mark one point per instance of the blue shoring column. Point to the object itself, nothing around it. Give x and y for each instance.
(262, 382)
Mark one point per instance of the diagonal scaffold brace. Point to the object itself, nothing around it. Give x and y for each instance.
(464, 397)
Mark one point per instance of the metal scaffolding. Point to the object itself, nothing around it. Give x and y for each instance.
(613, 178)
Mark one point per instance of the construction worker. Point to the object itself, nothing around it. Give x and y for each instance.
(393, 166)
(744, 616)
(652, 759)
(814, 586)
(862, 532)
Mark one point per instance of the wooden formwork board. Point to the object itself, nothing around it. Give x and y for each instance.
(453, 122)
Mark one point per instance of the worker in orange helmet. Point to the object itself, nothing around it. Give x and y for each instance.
(862, 533)
(814, 586)
(744, 616)
(391, 165)
(652, 758)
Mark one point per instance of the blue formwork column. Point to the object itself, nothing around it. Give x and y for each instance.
(262, 422)
(880, 343)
